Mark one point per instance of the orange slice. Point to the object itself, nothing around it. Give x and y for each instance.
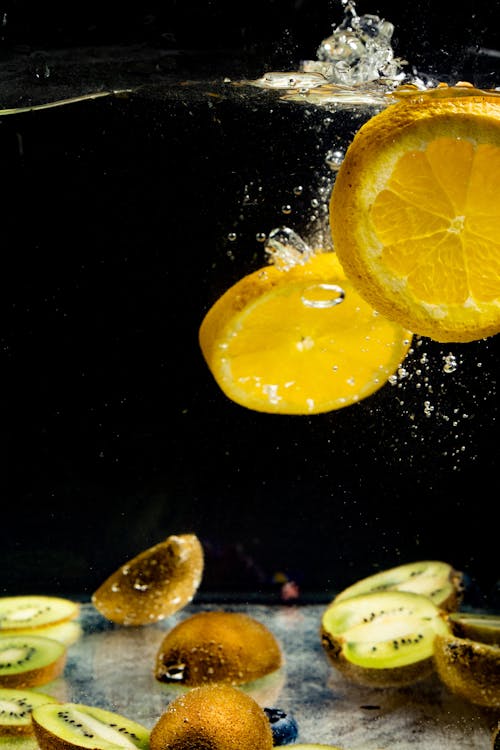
(415, 213)
(299, 341)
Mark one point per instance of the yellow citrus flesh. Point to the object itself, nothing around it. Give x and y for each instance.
(299, 341)
(415, 214)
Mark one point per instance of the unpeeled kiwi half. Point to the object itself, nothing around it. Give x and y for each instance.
(16, 707)
(469, 668)
(382, 639)
(30, 660)
(217, 646)
(433, 578)
(154, 584)
(482, 627)
(32, 612)
(73, 725)
(219, 717)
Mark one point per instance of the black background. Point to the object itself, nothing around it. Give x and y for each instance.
(115, 226)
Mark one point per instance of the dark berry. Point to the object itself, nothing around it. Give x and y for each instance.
(283, 726)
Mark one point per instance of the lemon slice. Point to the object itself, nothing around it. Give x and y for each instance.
(299, 341)
(415, 213)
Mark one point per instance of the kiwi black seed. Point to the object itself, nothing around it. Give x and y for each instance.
(30, 660)
(433, 578)
(16, 707)
(382, 639)
(74, 725)
(22, 612)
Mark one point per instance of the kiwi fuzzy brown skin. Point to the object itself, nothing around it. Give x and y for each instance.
(217, 646)
(438, 580)
(68, 726)
(16, 707)
(154, 584)
(469, 669)
(30, 660)
(215, 717)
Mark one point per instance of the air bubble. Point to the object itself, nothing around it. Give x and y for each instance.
(232, 236)
(298, 190)
(286, 209)
(261, 236)
(322, 296)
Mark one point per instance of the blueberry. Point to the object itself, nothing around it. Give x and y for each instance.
(283, 726)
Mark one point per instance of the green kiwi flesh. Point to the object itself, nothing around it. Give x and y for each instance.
(22, 612)
(484, 628)
(30, 660)
(74, 725)
(16, 707)
(469, 669)
(433, 578)
(382, 639)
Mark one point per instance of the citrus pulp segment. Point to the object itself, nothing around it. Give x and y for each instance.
(415, 215)
(299, 341)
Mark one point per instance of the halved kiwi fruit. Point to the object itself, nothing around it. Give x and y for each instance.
(484, 628)
(31, 612)
(217, 646)
(382, 639)
(30, 660)
(16, 707)
(153, 585)
(469, 668)
(219, 717)
(74, 725)
(433, 578)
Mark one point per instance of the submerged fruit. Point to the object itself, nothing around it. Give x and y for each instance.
(219, 717)
(154, 584)
(30, 660)
(299, 341)
(469, 668)
(415, 215)
(433, 578)
(32, 612)
(16, 707)
(67, 726)
(229, 647)
(382, 639)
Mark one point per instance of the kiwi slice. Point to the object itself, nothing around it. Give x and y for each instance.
(16, 707)
(495, 739)
(75, 725)
(30, 660)
(382, 639)
(433, 578)
(469, 668)
(154, 584)
(65, 632)
(23, 612)
(484, 628)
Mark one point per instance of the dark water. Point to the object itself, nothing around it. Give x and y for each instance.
(116, 216)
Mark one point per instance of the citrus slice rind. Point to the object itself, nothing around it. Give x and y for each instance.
(299, 341)
(415, 216)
